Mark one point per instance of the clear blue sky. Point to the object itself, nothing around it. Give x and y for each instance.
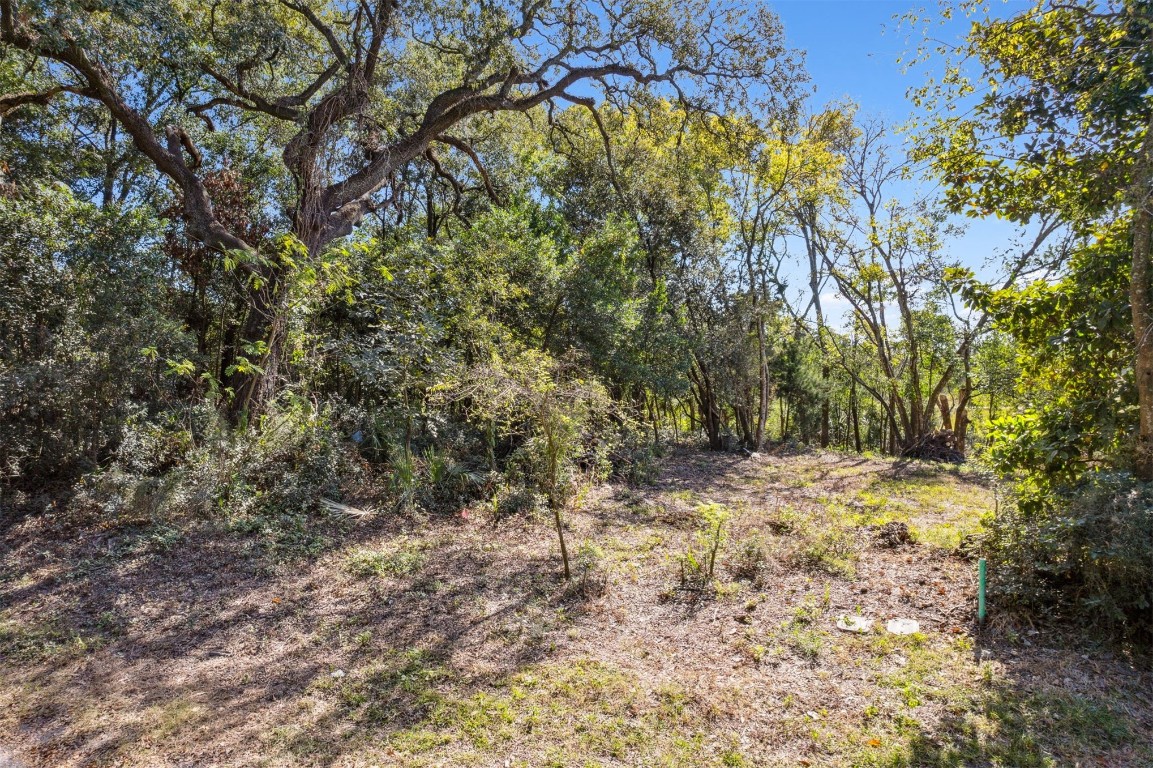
(852, 49)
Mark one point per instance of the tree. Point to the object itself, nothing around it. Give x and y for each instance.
(547, 404)
(350, 95)
(884, 258)
(1063, 129)
(776, 173)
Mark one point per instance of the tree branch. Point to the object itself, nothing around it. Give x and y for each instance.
(463, 146)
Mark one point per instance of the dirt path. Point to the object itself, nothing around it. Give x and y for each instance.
(446, 641)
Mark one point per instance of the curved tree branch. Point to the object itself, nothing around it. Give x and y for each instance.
(463, 146)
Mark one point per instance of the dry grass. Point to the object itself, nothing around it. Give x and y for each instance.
(446, 641)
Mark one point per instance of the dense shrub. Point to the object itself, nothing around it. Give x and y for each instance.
(83, 338)
(267, 480)
(1087, 553)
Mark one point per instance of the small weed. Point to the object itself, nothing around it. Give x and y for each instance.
(727, 590)
(807, 642)
(589, 578)
(807, 612)
(756, 652)
(801, 633)
(786, 520)
(698, 562)
(731, 758)
(750, 561)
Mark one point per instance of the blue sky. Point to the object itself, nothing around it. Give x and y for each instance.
(852, 49)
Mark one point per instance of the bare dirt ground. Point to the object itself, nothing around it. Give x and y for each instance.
(443, 640)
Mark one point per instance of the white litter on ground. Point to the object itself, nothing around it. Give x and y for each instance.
(854, 624)
(902, 626)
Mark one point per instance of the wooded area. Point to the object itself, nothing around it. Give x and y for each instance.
(263, 260)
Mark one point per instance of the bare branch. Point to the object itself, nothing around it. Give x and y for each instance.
(463, 146)
(325, 30)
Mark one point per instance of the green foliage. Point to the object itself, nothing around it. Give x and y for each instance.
(699, 560)
(265, 482)
(81, 299)
(217, 277)
(1059, 128)
(555, 416)
(1074, 342)
(404, 479)
(1057, 137)
(400, 559)
(1086, 553)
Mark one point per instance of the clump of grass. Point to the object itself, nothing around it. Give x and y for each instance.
(402, 560)
(831, 548)
(808, 643)
(801, 632)
(750, 559)
(43, 641)
(170, 718)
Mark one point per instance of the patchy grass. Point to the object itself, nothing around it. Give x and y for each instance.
(581, 713)
(401, 558)
(990, 722)
(450, 641)
(940, 505)
(827, 546)
(45, 640)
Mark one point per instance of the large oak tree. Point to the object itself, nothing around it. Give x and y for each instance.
(348, 94)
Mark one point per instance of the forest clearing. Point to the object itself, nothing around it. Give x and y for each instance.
(446, 640)
(553, 383)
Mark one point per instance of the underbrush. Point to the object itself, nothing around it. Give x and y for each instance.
(297, 476)
(266, 481)
(1088, 554)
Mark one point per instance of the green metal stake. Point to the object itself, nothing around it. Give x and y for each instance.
(981, 591)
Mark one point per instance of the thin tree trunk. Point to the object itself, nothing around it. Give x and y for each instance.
(554, 497)
(825, 407)
(710, 412)
(763, 403)
(265, 322)
(855, 415)
(961, 428)
(946, 411)
(892, 427)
